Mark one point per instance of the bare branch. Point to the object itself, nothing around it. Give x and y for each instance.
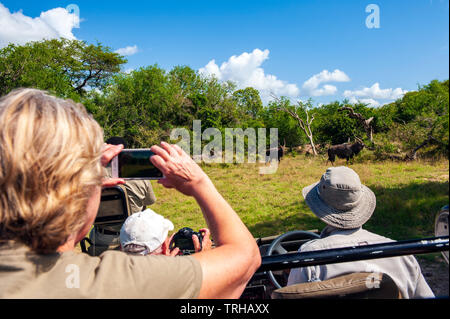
(366, 123)
(305, 127)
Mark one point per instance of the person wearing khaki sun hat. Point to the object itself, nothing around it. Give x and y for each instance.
(344, 204)
(339, 199)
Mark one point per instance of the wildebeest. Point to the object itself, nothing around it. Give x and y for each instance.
(346, 150)
(279, 154)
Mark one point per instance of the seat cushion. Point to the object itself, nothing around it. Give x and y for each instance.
(355, 285)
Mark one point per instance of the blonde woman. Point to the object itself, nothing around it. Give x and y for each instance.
(51, 173)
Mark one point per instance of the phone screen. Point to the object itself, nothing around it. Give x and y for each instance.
(136, 164)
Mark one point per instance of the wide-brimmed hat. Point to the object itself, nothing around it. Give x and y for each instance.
(145, 228)
(339, 199)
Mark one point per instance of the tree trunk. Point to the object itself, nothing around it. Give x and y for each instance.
(366, 124)
(413, 155)
(312, 145)
(306, 127)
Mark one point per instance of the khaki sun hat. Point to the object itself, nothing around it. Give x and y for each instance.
(339, 199)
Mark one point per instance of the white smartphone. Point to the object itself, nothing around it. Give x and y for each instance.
(135, 164)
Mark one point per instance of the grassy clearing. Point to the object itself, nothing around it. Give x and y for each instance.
(408, 196)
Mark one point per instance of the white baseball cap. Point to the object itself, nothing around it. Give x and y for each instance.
(145, 228)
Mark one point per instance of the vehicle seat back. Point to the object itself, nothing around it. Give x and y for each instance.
(361, 285)
(114, 202)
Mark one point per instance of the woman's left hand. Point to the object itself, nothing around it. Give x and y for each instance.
(109, 152)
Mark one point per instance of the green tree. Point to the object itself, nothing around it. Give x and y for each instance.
(63, 67)
(289, 131)
(424, 114)
(333, 126)
(419, 120)
(135, 104)
(249, 101)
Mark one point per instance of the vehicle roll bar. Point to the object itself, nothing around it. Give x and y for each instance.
(339, 255)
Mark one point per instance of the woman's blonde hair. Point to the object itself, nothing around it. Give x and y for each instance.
(50, 153)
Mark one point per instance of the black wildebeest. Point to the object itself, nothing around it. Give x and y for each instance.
(346, 150)
(279, 154)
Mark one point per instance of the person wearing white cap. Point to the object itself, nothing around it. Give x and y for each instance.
(145, 233)
(140, 195)
(345, 205)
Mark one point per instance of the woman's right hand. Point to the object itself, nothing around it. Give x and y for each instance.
(179, 169)
(206, 242)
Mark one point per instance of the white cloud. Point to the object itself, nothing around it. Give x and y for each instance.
(375, 92)
(369, 94)
(311, 86)
(325, 90)
(129, 50)
(19, 29)
(245, 70)
(370, 102)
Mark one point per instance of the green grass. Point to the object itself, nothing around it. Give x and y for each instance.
(408, 196)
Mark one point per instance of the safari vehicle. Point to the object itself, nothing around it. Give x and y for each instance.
(280, 254)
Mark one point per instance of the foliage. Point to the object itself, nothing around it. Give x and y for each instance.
(289, 132)
(249, 102)
(63, 67)
(334, 127)
(146, 104)
(420, 116)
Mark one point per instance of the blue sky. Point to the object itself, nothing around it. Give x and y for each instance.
(324, 42)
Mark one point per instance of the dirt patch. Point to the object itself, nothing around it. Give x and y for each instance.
(441, 178)
(435, 271)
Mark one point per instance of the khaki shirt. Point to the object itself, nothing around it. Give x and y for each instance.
(25, 274)
(404, 270)
(140, 194)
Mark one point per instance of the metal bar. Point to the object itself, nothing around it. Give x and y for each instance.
(339, 255)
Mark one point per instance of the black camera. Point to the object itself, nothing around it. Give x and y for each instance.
(183, 240)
